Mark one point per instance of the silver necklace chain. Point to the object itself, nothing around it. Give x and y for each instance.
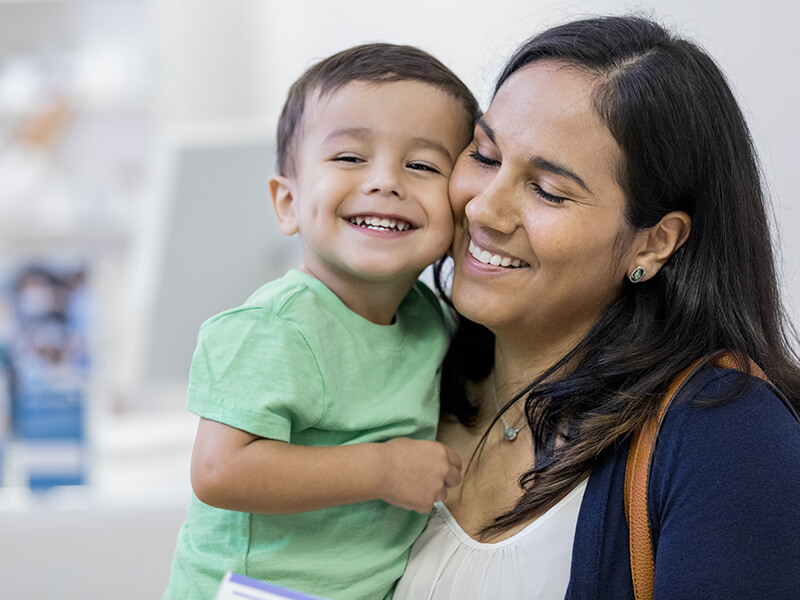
(509, 433)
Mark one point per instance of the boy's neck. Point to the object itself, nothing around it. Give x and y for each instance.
(376, 301)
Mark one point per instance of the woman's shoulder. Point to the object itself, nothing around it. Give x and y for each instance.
(727, 431)
(719, 400)
(724, 490)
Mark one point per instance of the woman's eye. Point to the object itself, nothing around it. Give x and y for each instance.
(483, 160)
(417, 166)
(548, 197)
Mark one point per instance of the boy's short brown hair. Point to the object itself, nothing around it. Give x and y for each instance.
(379, 63)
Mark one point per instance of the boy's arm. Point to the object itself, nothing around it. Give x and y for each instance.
(236, 470)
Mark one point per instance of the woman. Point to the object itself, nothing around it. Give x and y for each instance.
(611, 230)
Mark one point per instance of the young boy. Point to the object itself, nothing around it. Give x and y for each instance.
(314, 465)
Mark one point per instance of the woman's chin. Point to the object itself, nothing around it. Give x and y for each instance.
(475, 307)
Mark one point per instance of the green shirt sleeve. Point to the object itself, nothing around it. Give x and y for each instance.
(254, 371)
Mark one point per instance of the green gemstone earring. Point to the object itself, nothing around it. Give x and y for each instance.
(636, 275)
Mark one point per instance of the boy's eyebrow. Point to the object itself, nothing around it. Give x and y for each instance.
(360, 133)
(538, 161)
(364, 133)
(430, 144)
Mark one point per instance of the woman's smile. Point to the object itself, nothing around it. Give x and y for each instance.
(487, 257)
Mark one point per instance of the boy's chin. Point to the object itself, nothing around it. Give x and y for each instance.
(387, 275)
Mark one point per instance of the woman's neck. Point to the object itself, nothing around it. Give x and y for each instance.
(517, 365)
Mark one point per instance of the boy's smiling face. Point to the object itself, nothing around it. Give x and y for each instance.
(369, 189)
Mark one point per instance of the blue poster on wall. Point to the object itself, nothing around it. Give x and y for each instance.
(45, 344)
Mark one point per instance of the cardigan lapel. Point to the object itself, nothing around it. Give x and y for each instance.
(601, 553)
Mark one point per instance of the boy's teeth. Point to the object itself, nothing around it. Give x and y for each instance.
(380, 224)
(497, 260)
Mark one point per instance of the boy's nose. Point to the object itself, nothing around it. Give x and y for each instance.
(384, 180)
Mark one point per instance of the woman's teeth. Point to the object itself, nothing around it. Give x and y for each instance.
(380, 224)
(487, 258)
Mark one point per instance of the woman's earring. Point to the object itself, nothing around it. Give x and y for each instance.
(636, 275)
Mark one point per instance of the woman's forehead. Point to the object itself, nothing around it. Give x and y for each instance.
(548, 92)
(547, 110)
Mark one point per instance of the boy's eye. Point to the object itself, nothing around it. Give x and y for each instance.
(348, 158)
(418, 166)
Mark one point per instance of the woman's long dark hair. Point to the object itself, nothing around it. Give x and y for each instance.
(685, 146)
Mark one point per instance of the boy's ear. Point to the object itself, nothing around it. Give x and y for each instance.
(283, 201)
(661, 241)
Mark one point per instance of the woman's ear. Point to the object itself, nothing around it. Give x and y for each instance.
(659, 243)
(283, 201)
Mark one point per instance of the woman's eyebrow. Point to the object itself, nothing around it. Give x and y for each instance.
(556, 169)
(537, 161)
(486, 129)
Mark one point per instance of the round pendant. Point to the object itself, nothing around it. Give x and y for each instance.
(509, 434)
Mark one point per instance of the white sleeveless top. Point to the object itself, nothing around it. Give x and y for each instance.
(446, 563)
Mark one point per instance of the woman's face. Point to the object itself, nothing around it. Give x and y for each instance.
(539, 211)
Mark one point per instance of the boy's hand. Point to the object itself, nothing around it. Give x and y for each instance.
(418, 472)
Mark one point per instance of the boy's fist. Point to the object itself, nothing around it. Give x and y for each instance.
(417, 473)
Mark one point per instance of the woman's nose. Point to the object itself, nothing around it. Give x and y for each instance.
(384, 179)
(493, 207)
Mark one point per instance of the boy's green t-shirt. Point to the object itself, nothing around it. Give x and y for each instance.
(295, 364)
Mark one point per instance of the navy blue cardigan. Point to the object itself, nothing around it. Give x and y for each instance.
(724, 500)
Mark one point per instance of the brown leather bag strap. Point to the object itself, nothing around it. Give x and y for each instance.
(637, 471)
